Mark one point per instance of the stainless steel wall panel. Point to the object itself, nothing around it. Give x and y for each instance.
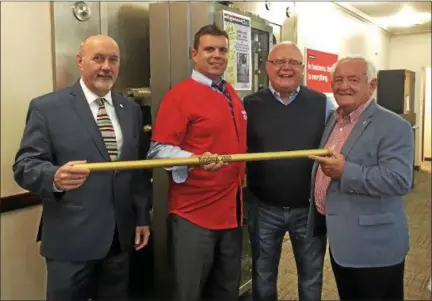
(68, 32)
(180, 40)
(128, 24)
(201, 13)
(160, 82)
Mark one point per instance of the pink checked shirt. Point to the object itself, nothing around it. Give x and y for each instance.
(340, 133)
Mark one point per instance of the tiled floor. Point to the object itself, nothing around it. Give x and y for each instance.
(418, 263)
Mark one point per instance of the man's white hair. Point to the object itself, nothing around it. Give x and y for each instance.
(371, 72)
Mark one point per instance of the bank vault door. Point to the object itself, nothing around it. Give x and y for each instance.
(260, 50)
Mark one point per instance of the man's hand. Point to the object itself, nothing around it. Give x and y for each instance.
(211, 166)
(142, 235)
(332, 166)
(68, 177)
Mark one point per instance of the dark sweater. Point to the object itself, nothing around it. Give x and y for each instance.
(274, 127)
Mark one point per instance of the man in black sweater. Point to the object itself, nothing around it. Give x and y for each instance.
(286, 116)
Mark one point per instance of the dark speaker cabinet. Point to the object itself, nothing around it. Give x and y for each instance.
(396, 91)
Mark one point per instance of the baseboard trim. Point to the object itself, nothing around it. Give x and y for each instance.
(427, 159)
(18, 201)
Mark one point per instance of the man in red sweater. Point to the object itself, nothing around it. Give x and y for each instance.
(203, 115)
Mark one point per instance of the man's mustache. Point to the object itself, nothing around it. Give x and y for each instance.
(345, 92)
(105, 75)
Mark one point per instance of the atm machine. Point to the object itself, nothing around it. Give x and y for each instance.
(172, 26)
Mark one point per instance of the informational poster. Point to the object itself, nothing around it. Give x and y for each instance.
(239, 69)
(318, 65)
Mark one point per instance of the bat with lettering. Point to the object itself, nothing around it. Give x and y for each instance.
(201, 160)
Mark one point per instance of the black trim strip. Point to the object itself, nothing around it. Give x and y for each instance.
(18, 201)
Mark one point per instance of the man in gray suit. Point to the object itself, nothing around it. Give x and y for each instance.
(90, 221)
(357, 191)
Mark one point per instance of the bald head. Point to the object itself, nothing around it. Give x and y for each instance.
(99, 61)
(285, 68)
(95, 40)
(285, 47)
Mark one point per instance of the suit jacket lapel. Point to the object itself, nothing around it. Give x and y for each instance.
(328, 130)
(358, 129)
(82, 108)
(125, 120)
(326, 134)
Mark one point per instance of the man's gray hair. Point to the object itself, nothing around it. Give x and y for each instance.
(371, 72)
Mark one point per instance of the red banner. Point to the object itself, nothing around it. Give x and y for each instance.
(318, 66)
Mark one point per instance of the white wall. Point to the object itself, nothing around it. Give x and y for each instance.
(325, 27)
(26, 69)
(413, 52)
(283, 27)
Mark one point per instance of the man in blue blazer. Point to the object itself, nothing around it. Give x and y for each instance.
(91, 221)
(357, 192)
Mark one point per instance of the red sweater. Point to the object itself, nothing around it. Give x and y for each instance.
(198, 119)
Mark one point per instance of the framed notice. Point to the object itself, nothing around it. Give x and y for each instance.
(318, 65)
(239, 69)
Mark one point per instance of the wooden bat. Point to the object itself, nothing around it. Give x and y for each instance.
(201, 160)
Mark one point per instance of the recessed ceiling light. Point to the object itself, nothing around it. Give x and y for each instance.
(405, 18)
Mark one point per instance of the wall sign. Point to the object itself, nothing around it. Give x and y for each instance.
(318, 66)
(239, 68)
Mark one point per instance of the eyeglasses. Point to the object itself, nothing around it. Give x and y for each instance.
(281, 63)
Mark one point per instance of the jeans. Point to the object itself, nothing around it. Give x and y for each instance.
(267, 226)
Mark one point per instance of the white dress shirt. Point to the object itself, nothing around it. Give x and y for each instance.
(109, 106)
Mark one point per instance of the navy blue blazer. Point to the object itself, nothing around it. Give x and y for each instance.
(79, 224)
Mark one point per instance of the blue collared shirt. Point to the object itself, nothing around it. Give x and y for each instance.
(202, 79)
(279, 98)
(330, 105)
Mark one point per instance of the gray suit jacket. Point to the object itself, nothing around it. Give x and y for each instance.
(364, 211)
(79, 224)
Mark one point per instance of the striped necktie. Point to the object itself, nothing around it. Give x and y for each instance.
(221, 87)
(106, 129)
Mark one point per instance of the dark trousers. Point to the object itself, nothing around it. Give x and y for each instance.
(268, 225)
(205, 261)
(105, 279)
(384, 283)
